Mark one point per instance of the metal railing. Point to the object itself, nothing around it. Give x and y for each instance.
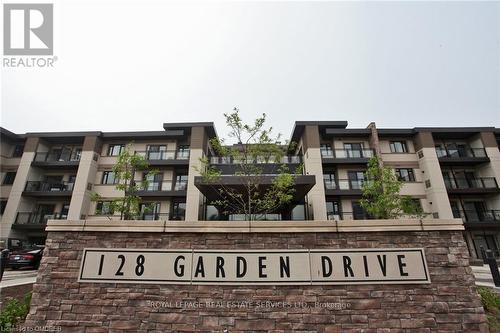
(258, 160)
(39, 186)
(492, 215)
(466, 183)
(348, 153)
(164, 155)
(467, 152)
(344, 184)
(56, 157)
(27, 218)
(348, 216)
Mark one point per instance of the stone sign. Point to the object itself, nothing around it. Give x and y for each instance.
(255, 267)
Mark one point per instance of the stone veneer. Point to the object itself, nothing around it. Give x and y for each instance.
(449, 304)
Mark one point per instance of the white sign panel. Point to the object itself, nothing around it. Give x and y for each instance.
(255, 267)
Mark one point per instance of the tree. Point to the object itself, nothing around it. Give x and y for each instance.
(381, 198)
(256, 150)
(124, 170)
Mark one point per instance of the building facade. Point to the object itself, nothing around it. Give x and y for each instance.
(451, 172)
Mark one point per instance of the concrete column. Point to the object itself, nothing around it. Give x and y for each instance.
(313, 166)
(428, 162)
(87, 169)
(193, 195)
(15, 197)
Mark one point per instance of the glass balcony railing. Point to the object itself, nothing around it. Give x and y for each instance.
(164, 186)
(348, 216)
(164, 155)
(344, 184)
(57, 156)
(478, 216)
(461, 152)
(474, 183)
(258, 160)
(39, 186)
(348, 153)
(26, 218)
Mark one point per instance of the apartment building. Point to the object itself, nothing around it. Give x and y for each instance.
(451, 172)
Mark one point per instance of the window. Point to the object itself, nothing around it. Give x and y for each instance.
(3, 204)
(157, 152)
(329, 180)
(104, 208)
(183, 152)
(398, 147)
(18, 151)
(181, 182)
(9, 178)
(76, 154)
(178, 210)
(154, 182)
(405, 175)
(326, 150)
(115, 150)
(354, 150)
(108, 177)
(427, 183)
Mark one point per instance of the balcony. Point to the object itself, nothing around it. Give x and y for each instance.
(347, 156)
(472, 185)
(163, 189)
(48, 189)
(165, 157)
(474, 218)
(258, 160)
(56, 159)
(344, 187)
(27, 220)
(464, 156)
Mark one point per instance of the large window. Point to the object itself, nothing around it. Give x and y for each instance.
(154, 182)
(405, 175)
(104, 208)
(398, 147)
(9, 178)
(354, 150)
(108, 177)
(115, 150)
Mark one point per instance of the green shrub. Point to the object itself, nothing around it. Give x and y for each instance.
(14, 311)
(491, 304)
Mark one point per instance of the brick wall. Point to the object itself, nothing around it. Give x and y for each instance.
(448, 304)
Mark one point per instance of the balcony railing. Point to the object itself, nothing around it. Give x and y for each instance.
(160, 216)
(164, 186)
(56, 157)
(26, 218)
(467, 152)
(258, 160)
(39, 186)
(348, 216)
(164, 155)
(344, 184)
(475, 183)
(348, 153)
(478, 216)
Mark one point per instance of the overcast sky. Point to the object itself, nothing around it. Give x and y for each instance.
(134, 65)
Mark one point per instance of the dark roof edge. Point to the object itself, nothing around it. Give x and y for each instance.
(13, 136)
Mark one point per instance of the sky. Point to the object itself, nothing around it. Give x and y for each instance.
(135, 65)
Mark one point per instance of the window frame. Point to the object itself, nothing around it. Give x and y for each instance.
(409, 171)
(105, 177)
(111, 149)
(402, 143)
(99, 211)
